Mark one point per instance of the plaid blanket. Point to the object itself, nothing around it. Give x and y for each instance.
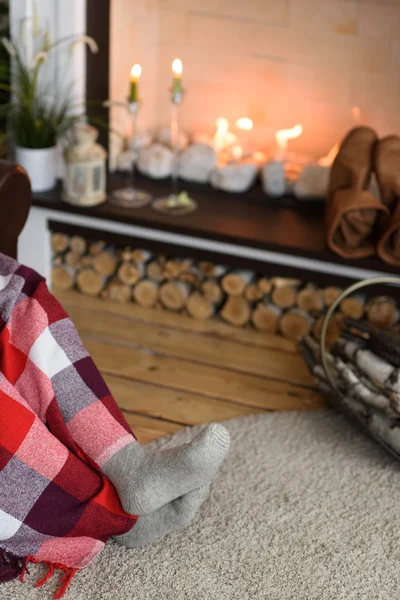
(58, 425)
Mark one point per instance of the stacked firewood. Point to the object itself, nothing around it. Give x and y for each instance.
(364, 383)
(204, 289)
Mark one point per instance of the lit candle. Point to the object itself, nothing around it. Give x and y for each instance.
(136, 72)
(245, 124)
(177, 88)
(283, 136)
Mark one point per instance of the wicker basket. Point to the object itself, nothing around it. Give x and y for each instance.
(382, 424)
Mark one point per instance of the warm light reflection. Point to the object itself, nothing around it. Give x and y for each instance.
(284, 135)
(259, 157)
(356, 113)
(327, 161)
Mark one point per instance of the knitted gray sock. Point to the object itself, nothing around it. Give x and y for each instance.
(174, 516)
(145, 481)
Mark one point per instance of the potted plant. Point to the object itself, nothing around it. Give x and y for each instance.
(41, 110)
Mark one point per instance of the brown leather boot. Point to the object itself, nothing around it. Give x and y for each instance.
(387, 168)
(352, 211)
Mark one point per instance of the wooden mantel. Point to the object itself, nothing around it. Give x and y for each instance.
(284, 236)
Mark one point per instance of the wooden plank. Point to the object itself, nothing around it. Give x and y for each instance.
(180, 406)
(147, 429)
(200, 349)
(206, 380)
(212, 327)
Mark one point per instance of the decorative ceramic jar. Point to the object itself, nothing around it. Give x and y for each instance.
(85, 180)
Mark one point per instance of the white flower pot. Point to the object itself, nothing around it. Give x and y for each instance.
(41, 166)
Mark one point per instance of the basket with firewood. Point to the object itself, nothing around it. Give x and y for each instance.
(360, 373)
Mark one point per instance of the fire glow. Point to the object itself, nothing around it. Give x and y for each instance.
(284, 135)
(327, 161)
(245, 124)
(223, 138)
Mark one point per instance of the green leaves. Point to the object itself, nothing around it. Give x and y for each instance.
(38, 113)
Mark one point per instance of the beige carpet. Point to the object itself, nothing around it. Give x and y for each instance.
(305, 508)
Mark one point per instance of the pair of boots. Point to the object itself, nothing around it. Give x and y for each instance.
(359, 224)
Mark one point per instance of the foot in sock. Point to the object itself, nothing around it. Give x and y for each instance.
(174, 516)
(145, 481)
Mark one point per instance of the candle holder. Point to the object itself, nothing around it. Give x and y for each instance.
(130, 196)
(178, 202)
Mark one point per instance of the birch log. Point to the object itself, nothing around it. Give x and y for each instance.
(266, 317)
(126, 255)
(331, 293)
(85, 262)
(382, 311)
(105, 263)
(234, 283)
(174, 268)
(252, 293)
(141, 256)
(295, 324)
(212, 291)
(62, 278)
(116, 291)
(155, 271)
(353, 307)
(130, 273)
(174, 295)
(310, 300)
(78, 245)
(200, 307)
(90, 282)
(284, 297)
(192, 277)
(72, 258)
(146, 293)
(209, 269)
(236, 311)
(97, 248)
(59, 242)
(377, 369)
(264, 285)
(333, 329)
(279, 282)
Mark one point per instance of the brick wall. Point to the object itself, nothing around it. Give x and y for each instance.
(280, 62)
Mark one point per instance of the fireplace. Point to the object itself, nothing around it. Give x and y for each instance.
(314, 67)
(324, 64)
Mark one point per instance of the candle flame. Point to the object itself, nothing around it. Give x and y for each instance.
(222, 125)
(327, 161)
(244, 123)
(237, 152)
(283, 135)
(177, 68)
(136, 72)
(223, 138)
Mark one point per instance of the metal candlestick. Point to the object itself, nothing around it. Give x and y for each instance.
(178, 202)
(130, 196)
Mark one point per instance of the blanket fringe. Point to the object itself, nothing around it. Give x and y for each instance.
(52, 567)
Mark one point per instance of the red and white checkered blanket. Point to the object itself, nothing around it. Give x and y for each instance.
(58, 425)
